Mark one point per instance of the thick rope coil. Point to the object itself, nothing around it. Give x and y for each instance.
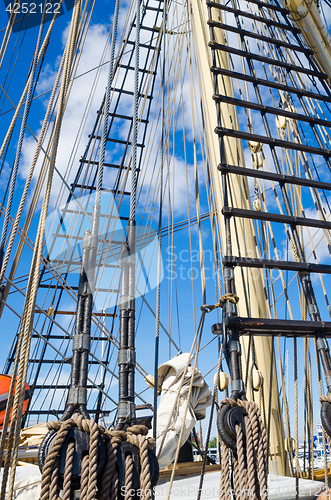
(136, 435)
(110, 475)
(128, 476)
(250, 463)
(69, 465)
(48, 479)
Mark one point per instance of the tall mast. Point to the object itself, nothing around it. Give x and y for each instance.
(245, 231)
(307, 17)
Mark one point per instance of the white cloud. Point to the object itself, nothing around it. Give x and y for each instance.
(77, 103)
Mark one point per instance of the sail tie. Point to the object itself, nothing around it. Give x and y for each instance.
(231, 297)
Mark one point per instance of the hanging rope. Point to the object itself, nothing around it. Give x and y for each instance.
(109, 481)
(30, 175)
(107, 106)
(250, 463)
(20, 104)
(135, 118)
(159, 254)
(25, 334)
(21, 137)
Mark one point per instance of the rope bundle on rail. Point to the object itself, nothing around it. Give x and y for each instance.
(107, 485)
(250, 462)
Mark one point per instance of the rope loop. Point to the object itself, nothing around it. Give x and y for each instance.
(208, 308)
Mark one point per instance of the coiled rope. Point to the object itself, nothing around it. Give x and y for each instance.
(250, 464)
(135, 435)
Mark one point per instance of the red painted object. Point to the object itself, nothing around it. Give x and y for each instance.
(5, 381)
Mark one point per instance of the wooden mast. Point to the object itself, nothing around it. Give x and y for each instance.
(278, 462)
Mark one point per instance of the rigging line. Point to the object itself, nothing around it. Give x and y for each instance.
(135, 117)
(39, 141)
(9, 28)
(13, 121)
(75, 78)
(161, 324)
(42, 337)
(70, 337)
(107, 106)
(159, 254)
(20, 140)
(182, 100)
(13, 61)
(28, 311)
(94, 319)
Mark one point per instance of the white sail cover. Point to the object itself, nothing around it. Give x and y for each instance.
(172, 372)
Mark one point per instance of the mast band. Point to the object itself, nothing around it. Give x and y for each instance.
(126, 357)
(85, 288)
(90, 241)
(77, 395)
(234, 345)
(321, 343)
(237, 385)
(81, 342)
(126, 409)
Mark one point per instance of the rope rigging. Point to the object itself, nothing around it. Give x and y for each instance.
(260, 246)
(14, 172)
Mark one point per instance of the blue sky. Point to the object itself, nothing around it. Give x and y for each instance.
(14, 71)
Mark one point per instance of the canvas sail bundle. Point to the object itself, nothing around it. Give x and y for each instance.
(177, 387)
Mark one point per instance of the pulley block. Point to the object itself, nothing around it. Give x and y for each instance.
(326, 417)
(124, 449)
(82, 445)
(227, 420)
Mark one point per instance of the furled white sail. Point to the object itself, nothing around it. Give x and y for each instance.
(173, 412)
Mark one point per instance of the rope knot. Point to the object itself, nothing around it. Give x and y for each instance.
(231, 297)
(53, 425)
(325, 399)
(137, 429)
(119, 436)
